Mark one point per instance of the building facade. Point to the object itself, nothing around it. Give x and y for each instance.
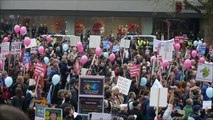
(150, 16)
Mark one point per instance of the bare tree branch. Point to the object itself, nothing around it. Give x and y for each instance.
(202, 3)
(192, 6)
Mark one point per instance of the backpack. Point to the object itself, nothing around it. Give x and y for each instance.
(128, 105)
(144, 103)
(6, 94)
(109, 108)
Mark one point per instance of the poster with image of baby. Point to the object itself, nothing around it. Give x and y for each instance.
(53, 114)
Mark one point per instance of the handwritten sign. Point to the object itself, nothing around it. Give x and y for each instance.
(5, 49)
(207, 104)
(124, 85)
(16, 47)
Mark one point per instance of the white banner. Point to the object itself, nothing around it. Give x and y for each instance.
(124, 85)
(95, 41)
(205, 72)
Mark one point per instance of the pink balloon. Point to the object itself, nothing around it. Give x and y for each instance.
(84, 59)
(9, 36)
(187, 63)
(202, 60)
(98, 51)
(23, 30)
(177, 46)
(48, 38)
(1, 65)
(79, 45)
(194, 53)
(27, 41)
(41, 50)
(165, 63)
(112, 57)
(204, 44)
(81, 49)
(5, 39)
(17, 28)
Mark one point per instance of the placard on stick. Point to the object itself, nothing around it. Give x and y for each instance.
(158, 100)
(205, 72)
(95, 41)
(124, 85)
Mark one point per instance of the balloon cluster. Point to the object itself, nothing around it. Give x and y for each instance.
(79, 27)
(97, 27)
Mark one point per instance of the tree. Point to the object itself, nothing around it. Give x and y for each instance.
(207, 14)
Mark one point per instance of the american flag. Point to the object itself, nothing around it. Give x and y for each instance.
(135, 70)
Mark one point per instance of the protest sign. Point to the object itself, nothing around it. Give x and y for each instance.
(101, 116)
(5, 49)
(201, 50)
(84, 71)
(26, 57)
(34, 50)
(40, 69)
(39, 111)
(134, 70)
(53, 114)
(91, 85)
(207, 104)
(74, 40)
(32, 82)
(106, 44)
(115, 48)
(166, 50)
(205, 72)
(90, 104)
(124, 85)
(33, 43)
(179, 39)
(125, 43)
(95, 41)
(16, 47)
(158, 97)
(157, 84)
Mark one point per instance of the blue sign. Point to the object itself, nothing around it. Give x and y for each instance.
(201, 49)
(26, 57)
(115, 48)
(106, 44)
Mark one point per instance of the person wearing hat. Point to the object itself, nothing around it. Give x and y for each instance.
(196, 115)
(136, 110)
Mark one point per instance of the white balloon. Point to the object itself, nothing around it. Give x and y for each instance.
(8, 81)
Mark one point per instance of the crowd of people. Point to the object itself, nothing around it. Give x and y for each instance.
(185, 93)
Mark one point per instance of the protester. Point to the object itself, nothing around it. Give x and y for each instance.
(59, 85)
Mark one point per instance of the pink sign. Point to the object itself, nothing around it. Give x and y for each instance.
(179, 39)
(40, 69)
